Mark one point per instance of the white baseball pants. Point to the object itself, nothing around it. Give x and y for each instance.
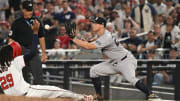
(44, 91)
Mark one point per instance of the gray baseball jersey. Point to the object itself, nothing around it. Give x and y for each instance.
(110, 46)
(121, 60)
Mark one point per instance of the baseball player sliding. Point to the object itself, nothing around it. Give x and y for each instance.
(11, 78)
(120, 60)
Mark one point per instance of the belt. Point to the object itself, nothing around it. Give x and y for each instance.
(124, 58)
(115, 61)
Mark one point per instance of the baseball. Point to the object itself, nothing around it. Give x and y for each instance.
(47, 27)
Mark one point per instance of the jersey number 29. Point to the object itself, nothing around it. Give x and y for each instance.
(6, 81)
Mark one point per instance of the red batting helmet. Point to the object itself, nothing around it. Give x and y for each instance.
(17, 50)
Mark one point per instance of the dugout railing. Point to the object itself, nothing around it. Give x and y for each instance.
(68, 66)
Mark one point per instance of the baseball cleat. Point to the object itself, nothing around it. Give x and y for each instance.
(154, 97)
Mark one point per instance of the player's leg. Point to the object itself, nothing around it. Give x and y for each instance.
(36, 69)
(44, 91)
(1, 91)
(113, 79)
(26, 70)
(127, 68)
(34, 66)
(102, 69)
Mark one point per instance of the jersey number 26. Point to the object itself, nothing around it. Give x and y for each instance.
(6, 81)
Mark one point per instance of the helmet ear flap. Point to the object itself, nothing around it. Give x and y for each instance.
(17, 50)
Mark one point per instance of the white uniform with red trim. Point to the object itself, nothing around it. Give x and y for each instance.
(12, 83)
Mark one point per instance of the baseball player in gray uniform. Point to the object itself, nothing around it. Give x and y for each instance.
(120, 60)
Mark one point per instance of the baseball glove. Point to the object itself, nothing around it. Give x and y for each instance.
(70, 28)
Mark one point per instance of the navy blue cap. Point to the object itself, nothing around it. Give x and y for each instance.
(28, 5)
(99, 20)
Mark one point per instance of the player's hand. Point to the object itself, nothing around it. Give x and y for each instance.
(35, 27)
(44, 57)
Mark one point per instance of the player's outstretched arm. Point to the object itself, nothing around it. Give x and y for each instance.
(84, 44)
(71, 32)
(33, 51)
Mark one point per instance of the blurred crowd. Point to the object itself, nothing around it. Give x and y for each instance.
(159, 20)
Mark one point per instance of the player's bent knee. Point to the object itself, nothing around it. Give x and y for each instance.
(133, 80)
(93, 73)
